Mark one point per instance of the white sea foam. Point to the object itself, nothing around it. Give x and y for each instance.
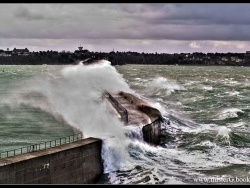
(231, 82)
(209, 88)
(228, 113)
(115, 154)
(232, 93)
(168, 85)
(223, 131)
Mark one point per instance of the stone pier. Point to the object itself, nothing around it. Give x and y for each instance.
(136, 112)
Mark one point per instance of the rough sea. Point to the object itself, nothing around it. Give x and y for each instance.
(207, 139)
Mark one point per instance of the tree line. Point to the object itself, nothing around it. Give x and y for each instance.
(122, 58)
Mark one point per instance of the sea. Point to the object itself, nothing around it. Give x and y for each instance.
(205, 135)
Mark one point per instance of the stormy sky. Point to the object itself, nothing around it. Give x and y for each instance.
(137, 27)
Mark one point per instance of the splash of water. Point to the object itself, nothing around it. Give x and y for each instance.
(224, 132)
(169, 86)
(76, 96)
(228, 113)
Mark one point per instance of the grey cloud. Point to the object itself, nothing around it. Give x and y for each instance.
(126, 22)
(25, 13)
(186, 14)
(189, 21)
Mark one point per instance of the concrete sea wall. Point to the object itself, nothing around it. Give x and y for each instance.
(151, 132)
(78, 162)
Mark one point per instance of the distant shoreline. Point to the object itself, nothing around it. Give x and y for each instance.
(127, 58)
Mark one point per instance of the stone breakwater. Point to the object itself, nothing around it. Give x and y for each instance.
(136, 112)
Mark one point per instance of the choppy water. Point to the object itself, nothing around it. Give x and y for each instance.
(207, 140)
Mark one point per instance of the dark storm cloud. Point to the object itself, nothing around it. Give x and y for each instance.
(191, 21)
(131, 21)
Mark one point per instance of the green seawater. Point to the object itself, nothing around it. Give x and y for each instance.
(23, 124)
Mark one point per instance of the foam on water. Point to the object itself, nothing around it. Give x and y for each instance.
(209, 88)
(228, 113)
(232, 93)
(169, 86)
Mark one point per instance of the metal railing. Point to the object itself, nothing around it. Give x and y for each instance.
(122, 111)
(41, 146)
